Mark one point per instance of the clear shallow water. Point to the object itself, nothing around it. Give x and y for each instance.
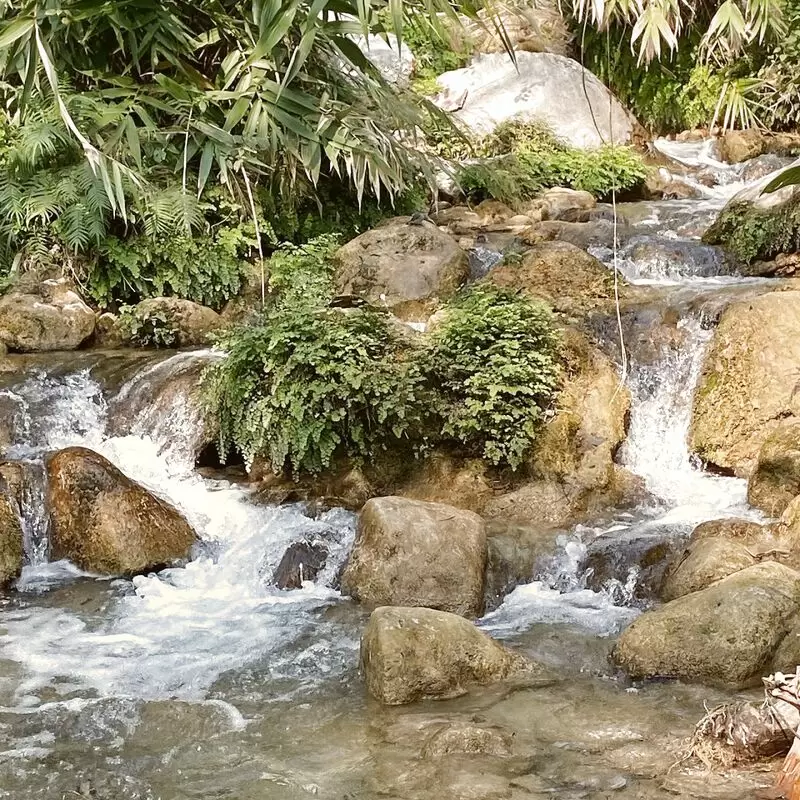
(207, 682)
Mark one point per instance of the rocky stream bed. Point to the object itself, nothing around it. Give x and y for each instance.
(207, 681)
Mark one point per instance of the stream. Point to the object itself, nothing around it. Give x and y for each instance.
(205, 681)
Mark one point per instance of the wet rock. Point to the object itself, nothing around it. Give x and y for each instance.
(568, 278)
(565, 204)
(738, 146)
(164, 400)
(406, 268)
(410, 654)
(719, 548)
(633, 559)
(596, 233)
(573, 467)
(537, 87)
(514, 550)
(107, 333)
(746, 391)
(413, 553)
(189, 324)
(760, 167)
(10, 539)
(302, 561)
(663, 185)
(775, 481)
(105, 522)
(50, 317)
(726, 633)
(443, 478)
(460, 737)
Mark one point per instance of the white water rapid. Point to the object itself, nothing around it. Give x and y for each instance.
(171, 634)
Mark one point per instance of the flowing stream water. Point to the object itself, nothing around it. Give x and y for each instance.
(205, 681)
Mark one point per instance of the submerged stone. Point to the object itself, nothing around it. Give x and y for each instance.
(410, 654)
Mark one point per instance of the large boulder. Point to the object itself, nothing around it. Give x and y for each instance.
(536, 87)
(413, 553)
(10, 540)
(182, 323)
(717, 549)
(573, 467)
(568, 278)
(405, 267)
(738, 146)
(410, 654)
(746, 391)
(49, 317)
(105, 522)
(775, 481)
(726, 633)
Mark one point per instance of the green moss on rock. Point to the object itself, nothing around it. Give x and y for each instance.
(753, 234)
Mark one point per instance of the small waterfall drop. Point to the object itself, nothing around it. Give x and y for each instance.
(171, 634)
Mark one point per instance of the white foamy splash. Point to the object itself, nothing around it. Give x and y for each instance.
(171, 634)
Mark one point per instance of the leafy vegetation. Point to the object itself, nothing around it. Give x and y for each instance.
(310, 382)
(151, 328)
(496, 362)
(519, 159)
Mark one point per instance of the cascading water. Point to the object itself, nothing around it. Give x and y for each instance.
(174, 633)
(206, 681)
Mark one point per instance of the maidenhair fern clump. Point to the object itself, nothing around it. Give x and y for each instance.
(496, 364)
(519, 159)
(307, 383)
(310, 383)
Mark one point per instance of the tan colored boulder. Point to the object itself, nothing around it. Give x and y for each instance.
(775, 481)
(413, 553)
(405, 267)
(410, 654)
(738, 146)
(725, 634)
(105, 522)
(568, 278)
(10, 540)
(719, 548)
(573, 465)
(787, 656)
(189, 324)
(50, 317)
(746, 390)
(569, 205)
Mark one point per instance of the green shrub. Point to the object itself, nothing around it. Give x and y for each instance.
(310, 383)
(520, 159)
(496, 362)
(208, 269)
(154, 329)
(301, 273)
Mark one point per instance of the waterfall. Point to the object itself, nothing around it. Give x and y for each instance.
(174, 633)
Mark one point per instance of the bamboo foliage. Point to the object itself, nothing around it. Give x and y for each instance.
(219, 88)
(657, 24)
